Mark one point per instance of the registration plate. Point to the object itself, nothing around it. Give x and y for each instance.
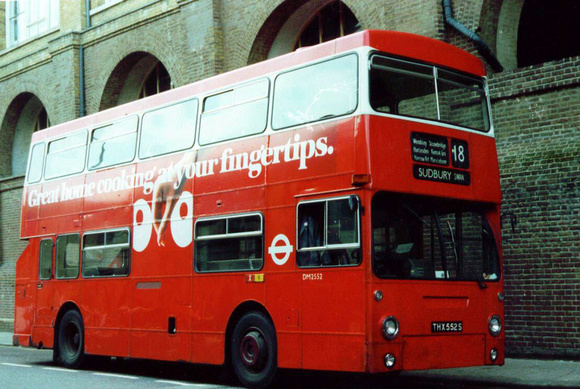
(446, 326)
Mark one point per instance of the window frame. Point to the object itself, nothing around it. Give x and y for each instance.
(324, 118)
(487, 119)
(228, 236)
(56, 257)
(105, 246)
(12, 23)
(326, 246)
(40, 257)
(195, 135)
(203, 100)
(23, 25)
(47, 153)
(31, 160)
(105, 125)
(459, 238)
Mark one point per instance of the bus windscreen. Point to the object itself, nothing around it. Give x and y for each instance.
(432, 240)
(422, 91)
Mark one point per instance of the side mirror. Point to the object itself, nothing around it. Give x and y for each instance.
(353, 203)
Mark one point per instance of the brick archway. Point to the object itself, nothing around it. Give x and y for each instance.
(127, 78)
(16, 130)
(280, 31)
(507, 33)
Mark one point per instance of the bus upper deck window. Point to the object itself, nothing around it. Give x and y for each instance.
(236, 113)
(176, 123)
(403, 88)
(423, 91)
(316, 92)
(36, 163)
(66, 155)
(462, 100)
(113, 144)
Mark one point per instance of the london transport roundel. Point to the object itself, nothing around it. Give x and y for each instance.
(280, 249)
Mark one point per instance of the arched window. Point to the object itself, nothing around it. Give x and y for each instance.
(25, 115)
(138, 75)
(156, 82)
(42, 121)
(332, 21)
(548, 31)
(295, 24)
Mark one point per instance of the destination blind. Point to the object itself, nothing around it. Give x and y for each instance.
(429, 150)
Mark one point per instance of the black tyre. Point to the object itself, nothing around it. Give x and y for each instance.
(71, 340)
(254, 354)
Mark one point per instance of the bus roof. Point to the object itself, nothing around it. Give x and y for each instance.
(392, 42)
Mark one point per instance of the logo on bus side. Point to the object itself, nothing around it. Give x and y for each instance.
(284, 250)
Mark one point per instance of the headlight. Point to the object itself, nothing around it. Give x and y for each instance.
(390, 328)
(493, 354)
(494, 325)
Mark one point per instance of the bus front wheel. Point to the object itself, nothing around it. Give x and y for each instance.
(71, 339)
(254, 350)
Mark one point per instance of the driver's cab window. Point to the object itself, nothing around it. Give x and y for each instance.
(328, 232)
(397, 243)
(433, 239)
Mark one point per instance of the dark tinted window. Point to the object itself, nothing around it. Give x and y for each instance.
(328, 233)
(45, 259)
(106, 254)
(231, 243)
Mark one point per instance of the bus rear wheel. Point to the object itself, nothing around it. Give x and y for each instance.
(254, 350)
(71, 339)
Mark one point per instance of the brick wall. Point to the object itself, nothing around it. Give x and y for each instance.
(538, 138)
(10, 246)
(2, 25)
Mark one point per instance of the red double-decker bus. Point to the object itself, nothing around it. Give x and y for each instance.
(336, 208)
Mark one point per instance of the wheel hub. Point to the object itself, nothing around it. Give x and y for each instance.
(253, 350)
(72, 339)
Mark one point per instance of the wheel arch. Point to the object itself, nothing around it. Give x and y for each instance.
(64, 308)
(237, 314)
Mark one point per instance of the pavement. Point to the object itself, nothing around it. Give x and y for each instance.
(516, 373)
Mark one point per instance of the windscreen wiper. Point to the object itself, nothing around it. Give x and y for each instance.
(441, 246)
(454, 245)
(478, 278)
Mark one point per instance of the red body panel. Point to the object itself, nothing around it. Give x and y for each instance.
(324, 318)
(390, 154)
